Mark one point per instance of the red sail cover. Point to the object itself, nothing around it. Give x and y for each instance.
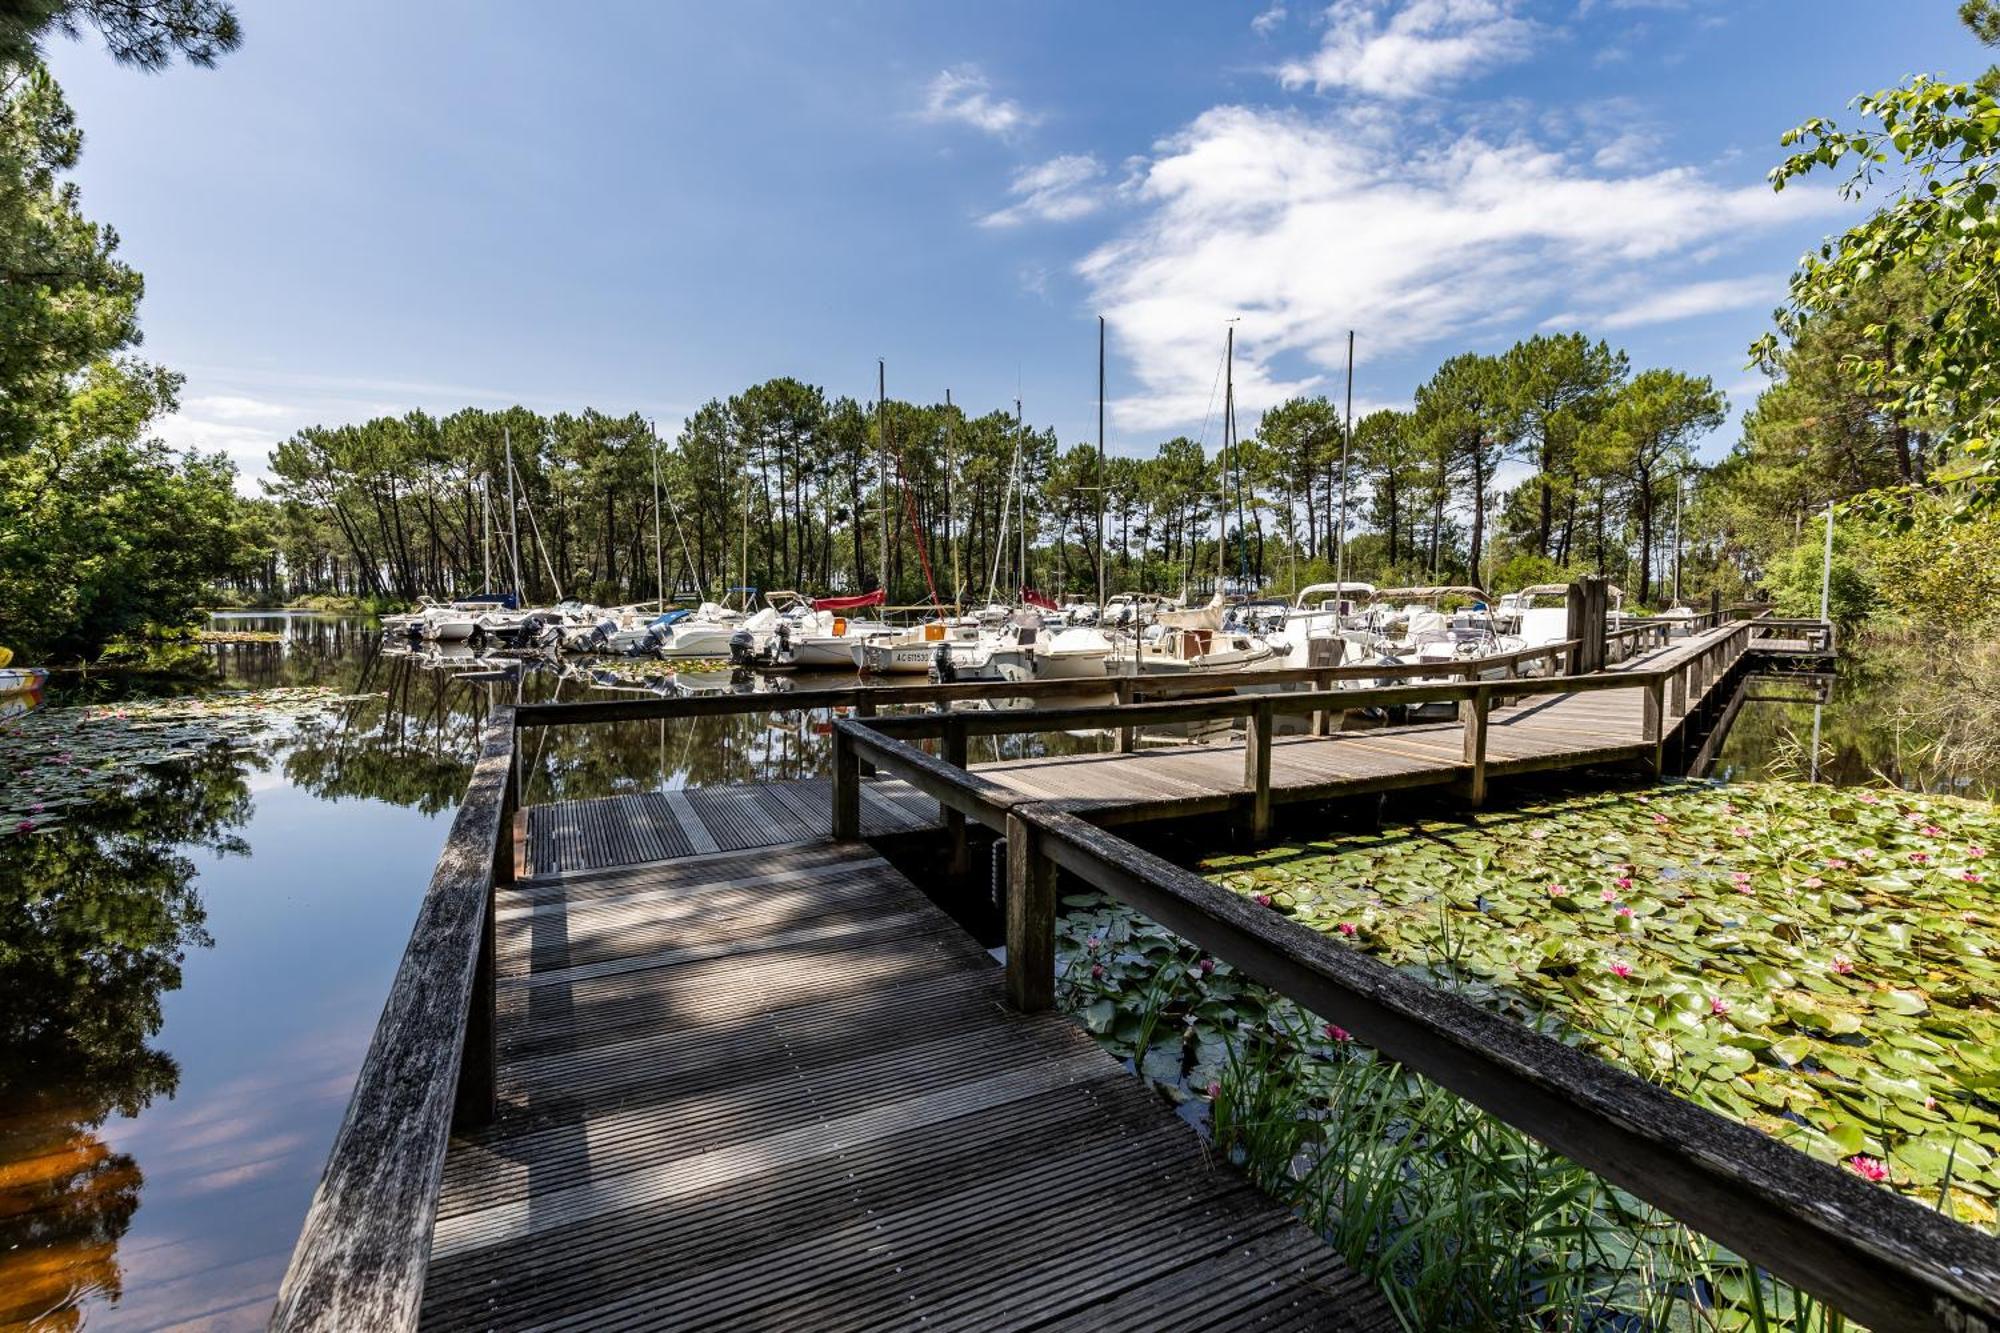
(875, 598)
(1043, 600)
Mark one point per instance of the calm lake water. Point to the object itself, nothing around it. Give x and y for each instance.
(178, 1040)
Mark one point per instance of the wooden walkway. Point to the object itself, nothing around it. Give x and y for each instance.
(777, 1088)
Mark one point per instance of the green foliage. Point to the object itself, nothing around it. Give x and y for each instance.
(1810, 961)
(1932, 147)
(145, 33)
(1796, 576)
(103, 532)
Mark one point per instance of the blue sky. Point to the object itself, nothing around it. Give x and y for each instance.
(379, 206)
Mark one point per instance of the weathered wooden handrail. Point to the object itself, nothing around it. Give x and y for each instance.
(1882, 1259)
(362, 1255)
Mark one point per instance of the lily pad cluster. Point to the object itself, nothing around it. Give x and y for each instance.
(1823, 964)
(53, 761)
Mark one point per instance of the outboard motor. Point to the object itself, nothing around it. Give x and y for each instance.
(742, 647)
(943, 669)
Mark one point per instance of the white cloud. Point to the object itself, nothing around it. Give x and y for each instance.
(1267, 22)
(1695, 298)
(1307, 227)
(1061, 189)
(1415, 49)
(964, 95)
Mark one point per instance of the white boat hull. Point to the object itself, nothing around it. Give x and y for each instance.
(907, 659)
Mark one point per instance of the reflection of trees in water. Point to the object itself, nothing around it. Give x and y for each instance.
(1915, 714)
(95, 917)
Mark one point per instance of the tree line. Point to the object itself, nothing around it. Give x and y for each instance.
(782, 485)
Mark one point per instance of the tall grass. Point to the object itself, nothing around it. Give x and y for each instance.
(1464, 1222)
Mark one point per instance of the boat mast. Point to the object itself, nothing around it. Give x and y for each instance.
(1222, 456)
(486, 531)
(1346, 439)
(1102, 494)
(513, 522)
(950, 498)
(1021, 485)
(1678, 479)
(659, 561)
(882, 461)
(1236, 454)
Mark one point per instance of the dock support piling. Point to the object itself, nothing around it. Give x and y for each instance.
(1472, 712)
(1257, 765)
(846, 788)
(864, 707)
(1031, 920)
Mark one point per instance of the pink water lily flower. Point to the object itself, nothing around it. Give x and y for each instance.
(1093, 944)
(1740, 876)
(1558, 891)
(1843, 966)
(1835, 863)
(1740, 831)
(1870, 798)
(1718, 1005)
(1621, 970)
(1338, 1033)
(1207, 966)
(1969, 876)
(1931, 831)
(1661, 819)
(1346, 927)
(1930, 1103)
(1262, 900)
(1975, 851)
(1868, 1168)
(1625, 911)
(1920, 857)
(1214, 1089)
(1097, 971)
(25, 826)
(1607, 895)
(1813, 881)
(1622, 882)
(37, 808)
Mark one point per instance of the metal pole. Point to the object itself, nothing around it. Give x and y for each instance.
(659, 561)
(882, 461)
(513, 525)
(1101, 495)
(1826, 568)
(950, 501)
(1346, 439)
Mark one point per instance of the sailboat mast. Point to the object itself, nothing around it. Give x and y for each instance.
(659, 561)
(1228, 415)
(950, 497)
(1021, 482)
(1102, 494)
(882, 460)
(486, 531)
(513, 521)
(1346, 439)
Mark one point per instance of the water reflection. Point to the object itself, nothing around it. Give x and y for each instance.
(100, 913)
(1895, 713)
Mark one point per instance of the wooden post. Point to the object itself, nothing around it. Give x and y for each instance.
(1472, 713)
(1031, 920)
(1257, 765)
(953, 746)
(846, 788)
(1587, 606)
(1678, 701)
(1122, 687)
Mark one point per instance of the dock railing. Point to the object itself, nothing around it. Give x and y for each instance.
(1881, 1259)
(364, 1250)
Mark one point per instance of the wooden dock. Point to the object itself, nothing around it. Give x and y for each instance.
(695, 1060)
(778, 1088)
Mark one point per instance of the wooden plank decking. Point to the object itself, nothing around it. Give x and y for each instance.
(777, 1088)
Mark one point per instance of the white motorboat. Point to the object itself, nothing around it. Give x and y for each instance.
(913, 653)
(1081, 653)
(1175, 651)
(706, 633)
